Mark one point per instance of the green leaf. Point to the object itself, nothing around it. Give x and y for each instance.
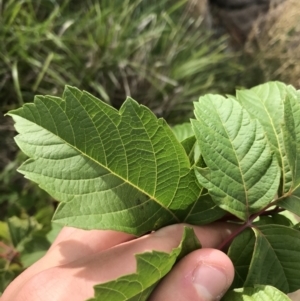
(294, 219)
(6, 276)
(240, 252)
(242, 175)
(151, 268)
(33, 249)
(26, 238)
(297, 226)
(204, 211)
(4, 232)
(277, 108)
(183, 131)
(277, 219)
(265, 103)
(192, 150)
(121, 170)
(53, 233)
(274, 244)
(292, 202)
(269, 257)
(20, 229)
(257, 293)
(291, 130)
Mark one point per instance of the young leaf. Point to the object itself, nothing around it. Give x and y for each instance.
(189, 147)
(242, 175)
(183, 131)
(151, 268)
(112, 169)
(256, 293)
(265, 103)
(270, 257)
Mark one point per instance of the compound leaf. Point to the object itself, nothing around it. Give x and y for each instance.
(151, 268)
(256, 293)
(242, 175)
(121, 170)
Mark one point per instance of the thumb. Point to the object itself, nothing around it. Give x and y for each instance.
(203, 275)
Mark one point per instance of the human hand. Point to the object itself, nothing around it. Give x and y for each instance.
(79, 259)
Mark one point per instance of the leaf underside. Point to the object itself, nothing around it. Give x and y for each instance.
(266, 104)
(241, 175)
(121, 170)
(291, 130)
(277, 107)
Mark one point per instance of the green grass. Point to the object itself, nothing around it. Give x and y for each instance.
(154, 51)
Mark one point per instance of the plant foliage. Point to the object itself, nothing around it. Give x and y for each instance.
(127, 170)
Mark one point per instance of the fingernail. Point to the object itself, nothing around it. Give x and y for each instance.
(210, 282)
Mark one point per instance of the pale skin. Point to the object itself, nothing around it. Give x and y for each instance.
(79, 259)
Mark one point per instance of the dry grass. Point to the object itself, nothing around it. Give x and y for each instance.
(274, 43)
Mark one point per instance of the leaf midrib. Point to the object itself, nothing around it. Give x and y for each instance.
(153, 152)
(239, 167)
(105, 167)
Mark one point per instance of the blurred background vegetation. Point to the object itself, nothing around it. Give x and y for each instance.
(163, 53)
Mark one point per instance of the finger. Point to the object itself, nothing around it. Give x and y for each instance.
(203, 275)
(95, 239)
(164, 240)
(70, 245)
(210, 236)
(78, 277)
(78, 243)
